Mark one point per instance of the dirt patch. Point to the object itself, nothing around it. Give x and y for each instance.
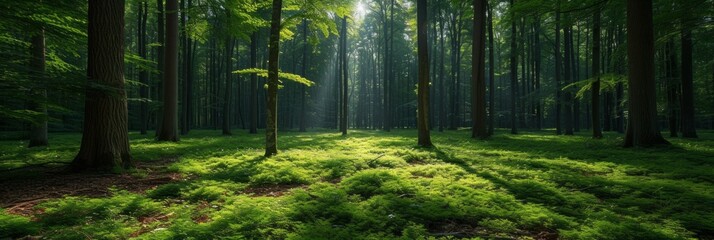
(20, 195)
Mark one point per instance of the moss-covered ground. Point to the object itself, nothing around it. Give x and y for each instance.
(377, 185)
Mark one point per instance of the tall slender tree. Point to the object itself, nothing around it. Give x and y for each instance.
(105, 140)
(344, 83)
(595, 95)
(687, 102)
(514, 71)
(253, 103)
(478, 77)
(143, 74)
(424, 138)
(169, 125)
(271, 120)
(642, 130)
(38, 129)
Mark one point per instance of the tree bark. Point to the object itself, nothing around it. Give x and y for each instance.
(271, 120)
(687, 110)
(514, 74)
(253, 115)
(478, 81)
(491, 74)
(343, 113)
(38, 129)
(169, 128)
(227, 92)
(424, 138)
(105, 141)
(595, 95)
(567, 94)
(642, 131)
(143, 74)
(672, 86)
(160, 25)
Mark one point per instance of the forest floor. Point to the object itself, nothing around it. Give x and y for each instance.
(368, 185)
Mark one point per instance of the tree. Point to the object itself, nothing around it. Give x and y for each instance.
(595, 96)
(514, 71)
(38, 130)
(423, 86)
(161, 35)
(642, 130)
(227, 93)
(558, 65)
(105, 141)
(687, 102)
(491, 74)
(343, 67)
(478, 81)
(169, 125)
(271, 120)
(143, 74)
(253, 106)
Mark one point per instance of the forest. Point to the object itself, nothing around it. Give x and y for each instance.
(357, 119)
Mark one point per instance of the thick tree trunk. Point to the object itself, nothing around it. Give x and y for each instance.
(38, 129)
(595, 95)
(169, 128)
(478, 81)
(105, 141)
(271, 120)
(514, 75)
(687, 109)
(642, 131)
(423, 85)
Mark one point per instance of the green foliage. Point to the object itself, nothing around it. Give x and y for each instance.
(282, 75)
(376, 185)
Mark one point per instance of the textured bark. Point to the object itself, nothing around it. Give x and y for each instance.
(478, 69)
(687, 108)
(271, 120)
(105, 142)
(642, 130)
(169, 125)
(38, 129)
(595, 95)
(253, 103)
(424, 138)
(514, 74)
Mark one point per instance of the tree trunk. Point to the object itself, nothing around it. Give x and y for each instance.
(514, 74)
(105, 141)
(595, 96)
(303, 90)
(271, 120)
(343, 113)
(169, 128)
(642, 131)
(558, 65)
(143, 74)
(567, 94)
(478, 81)
(227, 92)
(160, 61)
(687, 109)
(423, 85)
(442, 84)
(253, 115)
(38, 129)
(671, 82)
(491, 74)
